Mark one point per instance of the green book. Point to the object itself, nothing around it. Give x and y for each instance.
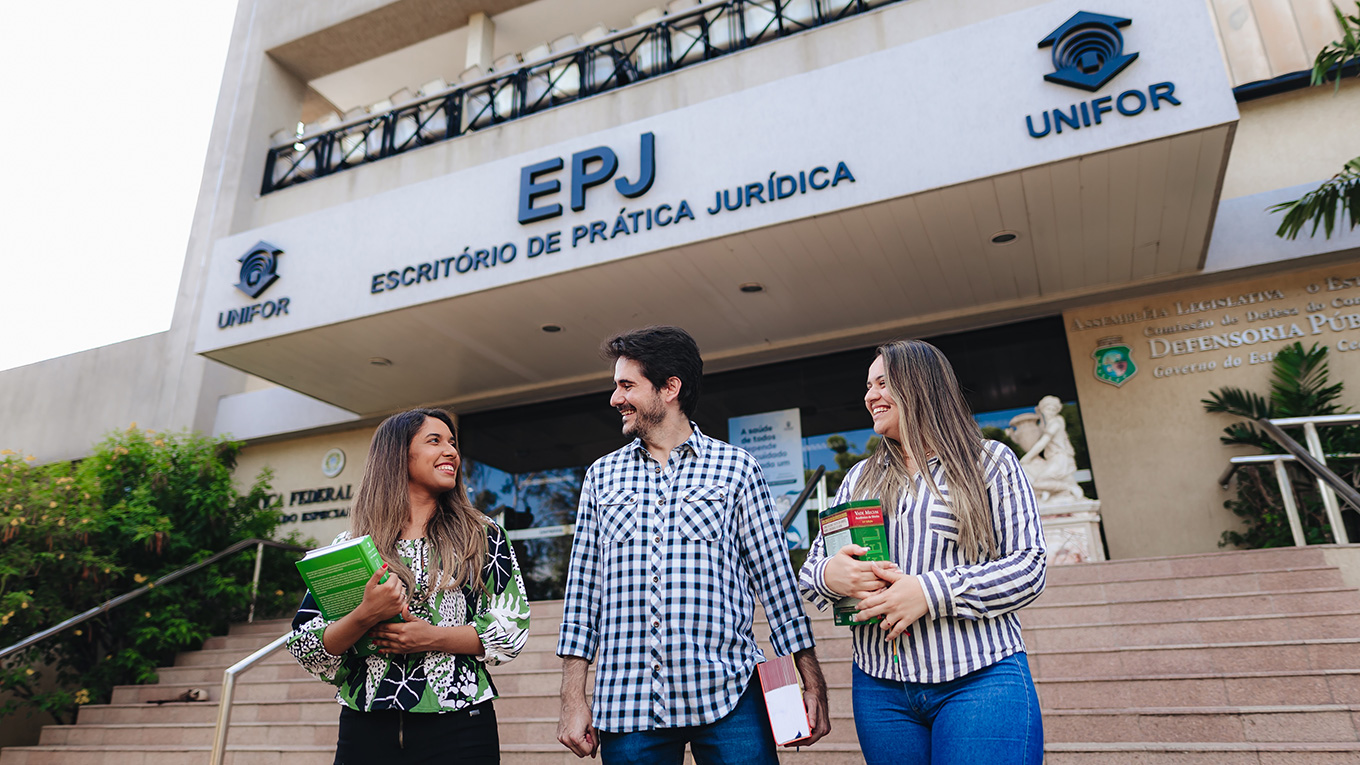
(859, 523)
(336, 576)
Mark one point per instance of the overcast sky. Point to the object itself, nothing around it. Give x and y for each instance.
(105, 110)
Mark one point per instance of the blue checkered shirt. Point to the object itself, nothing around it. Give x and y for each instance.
(666, 567)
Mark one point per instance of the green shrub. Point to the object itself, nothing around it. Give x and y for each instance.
(74, 535)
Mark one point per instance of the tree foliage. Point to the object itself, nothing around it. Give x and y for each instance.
(74, 535)
(1300, 386)
(1339, 196)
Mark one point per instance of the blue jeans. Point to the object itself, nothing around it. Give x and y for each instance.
(991, 715)
(743, 737)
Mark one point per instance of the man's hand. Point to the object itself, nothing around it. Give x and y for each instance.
(847, 575)
(573, 721)
(814, 695)
(900, 605)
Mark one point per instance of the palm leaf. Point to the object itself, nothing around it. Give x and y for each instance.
(1338, 197)
(1242, 403)
(1299, 387)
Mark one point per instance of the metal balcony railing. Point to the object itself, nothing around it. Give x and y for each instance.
(631, 55)
(1312, 459)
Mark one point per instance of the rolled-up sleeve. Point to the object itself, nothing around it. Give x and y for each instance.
(1016, 576)
(579, 634)
(766, 556)
(307, 646)
(502, 617)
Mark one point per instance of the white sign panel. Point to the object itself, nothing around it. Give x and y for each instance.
(970, 103)
(775, 439)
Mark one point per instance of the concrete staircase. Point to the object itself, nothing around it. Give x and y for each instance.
(1240, 657)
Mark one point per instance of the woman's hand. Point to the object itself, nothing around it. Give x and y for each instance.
(413, 635)
(382, 600)
(901, 604)
(847, 575)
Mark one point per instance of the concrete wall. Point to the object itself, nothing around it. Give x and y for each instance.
(1303, 136)
(1155, 453)
(296, 464)
(57, 409)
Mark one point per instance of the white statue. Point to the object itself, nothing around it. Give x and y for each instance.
(1049, 461)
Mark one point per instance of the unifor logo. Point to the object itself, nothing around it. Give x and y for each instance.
(259, 268)
(1088, 50)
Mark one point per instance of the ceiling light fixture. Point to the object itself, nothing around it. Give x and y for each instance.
(379, 361)
(751, 287)
(551, 328)
(1004, 237)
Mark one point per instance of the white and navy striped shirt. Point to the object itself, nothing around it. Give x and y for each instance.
(666, 567)
(971, 623)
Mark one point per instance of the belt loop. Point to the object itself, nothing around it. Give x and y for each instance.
(401, 729)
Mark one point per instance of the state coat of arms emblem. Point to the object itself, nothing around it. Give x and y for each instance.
(1114, 362)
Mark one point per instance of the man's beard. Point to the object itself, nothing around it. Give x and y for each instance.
(645, 420)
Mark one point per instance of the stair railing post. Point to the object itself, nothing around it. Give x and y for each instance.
(255, 581)
(219, 750)
(1291, 509)
(1310, 435)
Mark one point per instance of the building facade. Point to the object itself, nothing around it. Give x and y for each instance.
(451, 204)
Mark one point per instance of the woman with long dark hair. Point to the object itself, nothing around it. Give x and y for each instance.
(425, 696)
(942, 678)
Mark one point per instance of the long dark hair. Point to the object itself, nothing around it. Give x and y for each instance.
(456, 533)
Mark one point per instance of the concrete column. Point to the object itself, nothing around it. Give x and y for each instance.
(481, 41)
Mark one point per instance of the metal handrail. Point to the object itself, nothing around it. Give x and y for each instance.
(107, 605)
(1312, 459)
(625, 49)
(802, 497)
(219, 750)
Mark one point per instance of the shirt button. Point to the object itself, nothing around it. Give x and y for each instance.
(657, 539)
(660, 502)
(656, 666)
(658, 468)
(656, 623)
(655, 579)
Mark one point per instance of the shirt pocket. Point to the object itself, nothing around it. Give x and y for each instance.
(942, 523)
(618, 516)
(703, 513)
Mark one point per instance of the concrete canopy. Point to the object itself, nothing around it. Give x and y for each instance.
(933, 170)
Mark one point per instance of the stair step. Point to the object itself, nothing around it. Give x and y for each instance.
(1234, 657)
(1197, 564)
(268, 754)
(1337, 653)
(1158, 753)
(1272, 724)
(1173, 607)
(1208, 629)
(1309, 687)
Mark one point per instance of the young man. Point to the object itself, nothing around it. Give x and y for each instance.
(676, 536)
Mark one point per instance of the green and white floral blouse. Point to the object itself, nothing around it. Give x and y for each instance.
(434, 681)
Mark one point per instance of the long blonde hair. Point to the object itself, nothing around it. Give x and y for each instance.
(456, 533)
(932, 419)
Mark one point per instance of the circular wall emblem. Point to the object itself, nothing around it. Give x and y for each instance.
(333, 463)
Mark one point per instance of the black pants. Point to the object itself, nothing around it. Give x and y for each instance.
(466, 737)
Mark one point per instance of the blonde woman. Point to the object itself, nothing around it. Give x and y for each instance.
(426, 695)
(943, 677)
